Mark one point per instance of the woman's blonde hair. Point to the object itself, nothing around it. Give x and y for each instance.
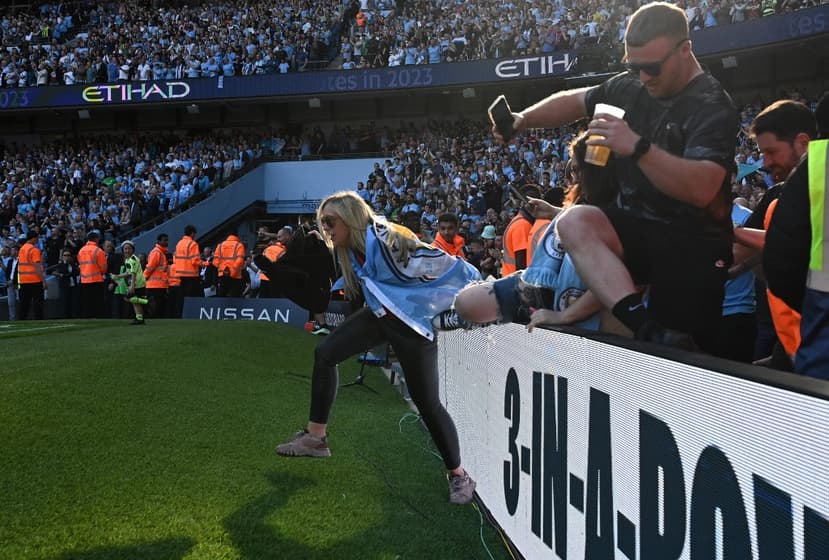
(357, 215)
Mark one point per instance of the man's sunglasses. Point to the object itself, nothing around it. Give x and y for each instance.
(652, 68)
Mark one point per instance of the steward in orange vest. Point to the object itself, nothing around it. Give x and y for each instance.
(229, 260)
(187, 262)
(92, 263)
(31, 279)
(157, 275)
(174, 299)
(274, 251)
(517, 235)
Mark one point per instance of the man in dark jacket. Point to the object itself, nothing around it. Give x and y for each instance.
(796, 255)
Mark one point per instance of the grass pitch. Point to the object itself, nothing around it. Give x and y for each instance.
(157, 442)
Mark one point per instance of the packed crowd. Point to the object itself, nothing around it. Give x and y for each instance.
(117, 185)
(112, 185)
(89, 42)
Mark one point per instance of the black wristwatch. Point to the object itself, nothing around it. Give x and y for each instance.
(641, 148)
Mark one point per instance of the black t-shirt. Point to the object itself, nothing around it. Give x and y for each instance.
(699, 123)
(789, 240)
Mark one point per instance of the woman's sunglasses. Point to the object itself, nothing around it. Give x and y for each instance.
(328, 221)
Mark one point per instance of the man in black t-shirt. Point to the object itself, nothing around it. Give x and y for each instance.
(671, 227)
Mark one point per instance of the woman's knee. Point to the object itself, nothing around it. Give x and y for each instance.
(477, 303)
(323, 355)
(580, 225)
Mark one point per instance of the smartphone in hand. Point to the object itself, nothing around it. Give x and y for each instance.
(500, 115)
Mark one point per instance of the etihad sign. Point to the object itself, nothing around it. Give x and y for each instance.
(535, 66)
(120, 93)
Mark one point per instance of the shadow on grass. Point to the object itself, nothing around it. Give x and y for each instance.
(255, 539)
(169, 549)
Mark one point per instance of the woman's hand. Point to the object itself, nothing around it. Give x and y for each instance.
(544, 317)
(541, 209)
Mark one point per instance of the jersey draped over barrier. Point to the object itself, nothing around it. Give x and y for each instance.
(585, 449)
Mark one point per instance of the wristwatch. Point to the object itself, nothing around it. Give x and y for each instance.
(641, 148)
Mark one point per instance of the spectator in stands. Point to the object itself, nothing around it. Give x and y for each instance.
(672, 229)
(796, 258)
(394, 314)
(447, 238)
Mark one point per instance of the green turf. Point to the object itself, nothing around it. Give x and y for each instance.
(156, 442)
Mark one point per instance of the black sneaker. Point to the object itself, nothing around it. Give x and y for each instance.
(137, 322)
(449, 320)
(652, 331)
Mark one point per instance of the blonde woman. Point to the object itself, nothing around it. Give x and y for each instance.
(404, 283)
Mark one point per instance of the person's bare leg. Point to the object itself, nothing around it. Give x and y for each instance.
(477, 303)
(590, 240)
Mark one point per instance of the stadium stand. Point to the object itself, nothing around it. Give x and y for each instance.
(69, 43)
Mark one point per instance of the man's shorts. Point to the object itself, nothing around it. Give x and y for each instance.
(685, 269)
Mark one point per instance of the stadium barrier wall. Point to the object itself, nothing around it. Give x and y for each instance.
(605, 448)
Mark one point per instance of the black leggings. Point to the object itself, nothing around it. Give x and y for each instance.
(418, 357)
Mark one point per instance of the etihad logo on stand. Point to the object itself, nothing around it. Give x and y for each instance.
(120, 93)
(535, 66)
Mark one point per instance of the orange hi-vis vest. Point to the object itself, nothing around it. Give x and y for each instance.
(536, 233)
(186, 259)
(157, 267)
(516, 238)
(230, 256)
(173, 279)
(455, 248)
(786, 320)
(30, 265)
(273, 253)
(92, 262)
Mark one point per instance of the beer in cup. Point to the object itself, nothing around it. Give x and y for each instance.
(598, 155)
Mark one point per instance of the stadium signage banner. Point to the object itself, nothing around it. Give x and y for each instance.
(143, 91)
(239, 309)
(587, 450)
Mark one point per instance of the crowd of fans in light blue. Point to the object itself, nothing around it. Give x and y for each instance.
(90, 42)
(116, 185)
